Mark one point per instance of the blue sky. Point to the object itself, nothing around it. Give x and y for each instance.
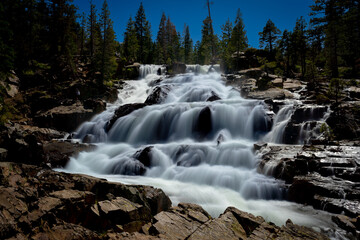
(192, 12)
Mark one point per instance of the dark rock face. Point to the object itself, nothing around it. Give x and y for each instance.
(58, 153)
(144, 156)
(203, 125)
(123, 111)
(158, 94)
(345, 121)
(213, 97)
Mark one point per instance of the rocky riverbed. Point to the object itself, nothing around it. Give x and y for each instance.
(321, 170)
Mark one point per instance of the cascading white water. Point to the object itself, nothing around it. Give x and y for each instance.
(202, 69)
(197, 151)
(151, 69)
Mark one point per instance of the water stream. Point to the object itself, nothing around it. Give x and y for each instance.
(198, 151)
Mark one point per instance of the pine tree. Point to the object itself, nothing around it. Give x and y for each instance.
(207, 39)
(238, 40)
(285, 50)
(92, 21)
(326, 15)
(107, 45)
(269, 35)
(143, 32)
(131, 44)
(161, 39)
(226, 53)
(188, 45)
(299, 39)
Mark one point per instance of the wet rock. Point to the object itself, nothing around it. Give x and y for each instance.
(308, 113)
(123, 111)
(292, 85)
(213, 97)
(346, 223)
(292, 231)
(203, 125)
(158, 94)
(144, 156)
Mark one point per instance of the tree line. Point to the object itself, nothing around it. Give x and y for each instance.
(52, 33)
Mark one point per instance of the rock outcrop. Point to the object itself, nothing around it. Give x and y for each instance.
(326, 177)
(67, 118)
(43, 204)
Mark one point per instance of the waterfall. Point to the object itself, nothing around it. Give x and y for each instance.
(196, 144)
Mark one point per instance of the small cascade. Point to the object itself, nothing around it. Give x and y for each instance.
(151, 69)
(202, 69)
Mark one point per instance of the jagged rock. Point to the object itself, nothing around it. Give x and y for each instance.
(158, 94)
(120, 211)
(144, 156)
(64, 118)
(346, 223)
(213, 97)
(292, 231)
(65, 232)
(31, 197)
(179, 222)
(58, 153)
(123, 111)
(308, 113)
(278, 82)
(224, 227)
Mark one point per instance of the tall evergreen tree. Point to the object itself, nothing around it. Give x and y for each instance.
(107, 45)
(92, 28)
(188, 46)
(161, 41)
(326, 15)
(238, 40)
(131, 44)
(269, 35)
(226, 52)
(207, 40)
(143, 32)
(285, 50)
(299, 39)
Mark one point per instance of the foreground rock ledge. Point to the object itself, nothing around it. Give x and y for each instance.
(43, 204)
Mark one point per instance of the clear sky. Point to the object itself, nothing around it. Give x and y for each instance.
(192, 12)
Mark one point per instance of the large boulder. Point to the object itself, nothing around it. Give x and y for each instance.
(158, 94)
(203, 125)
(123, 111)
(65, 118)
(132, 71)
